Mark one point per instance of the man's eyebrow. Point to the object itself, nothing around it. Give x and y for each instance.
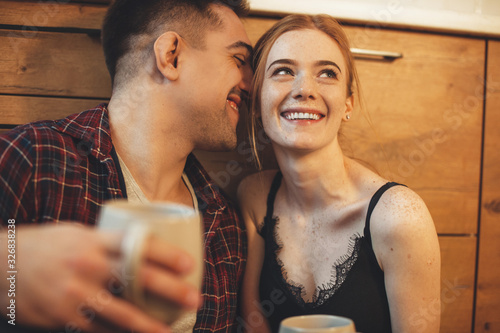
(241, 44)
(282, 61)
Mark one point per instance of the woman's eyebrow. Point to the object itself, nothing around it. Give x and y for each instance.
(282, 61)
(317, 63)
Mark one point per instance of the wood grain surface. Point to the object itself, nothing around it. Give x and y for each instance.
(458, 256)
(24, 109)
(52, 64)
(52, 14)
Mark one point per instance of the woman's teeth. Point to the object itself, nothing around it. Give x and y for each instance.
(302, 116)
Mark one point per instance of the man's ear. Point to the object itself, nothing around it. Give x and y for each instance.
(167, 48)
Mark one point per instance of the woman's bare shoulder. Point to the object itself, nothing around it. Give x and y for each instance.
(402, 228)
(400, 211)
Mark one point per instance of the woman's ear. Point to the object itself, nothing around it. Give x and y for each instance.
(349, 106)
(167, 48)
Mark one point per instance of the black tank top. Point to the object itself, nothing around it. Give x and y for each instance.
(358, 293)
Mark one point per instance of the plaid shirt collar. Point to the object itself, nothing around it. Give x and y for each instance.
(91, 128)
(208, 193)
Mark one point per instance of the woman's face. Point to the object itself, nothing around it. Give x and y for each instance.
(304, 95)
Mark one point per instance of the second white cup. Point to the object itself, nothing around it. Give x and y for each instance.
(317, 324)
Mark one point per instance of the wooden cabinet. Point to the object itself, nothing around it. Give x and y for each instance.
(426, 112)
(426, 119)
(458, 258)
(422, 125)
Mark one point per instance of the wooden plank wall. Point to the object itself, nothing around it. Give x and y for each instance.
(426, 126)
(51, 61)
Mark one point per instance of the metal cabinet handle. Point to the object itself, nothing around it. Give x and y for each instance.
(377, 54)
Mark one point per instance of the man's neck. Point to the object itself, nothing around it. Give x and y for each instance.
(154, 153)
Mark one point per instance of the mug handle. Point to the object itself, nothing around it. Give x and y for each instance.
(132, 249)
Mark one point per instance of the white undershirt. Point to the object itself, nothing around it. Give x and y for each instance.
(135, 194)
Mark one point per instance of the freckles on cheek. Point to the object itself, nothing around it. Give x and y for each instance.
(264, 91)
(270, 97)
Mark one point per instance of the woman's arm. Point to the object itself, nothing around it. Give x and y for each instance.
(249, 198)
(407, 248)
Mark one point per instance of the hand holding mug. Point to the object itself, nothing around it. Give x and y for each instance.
(176, 225)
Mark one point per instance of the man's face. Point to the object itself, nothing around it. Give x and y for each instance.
(218, 79)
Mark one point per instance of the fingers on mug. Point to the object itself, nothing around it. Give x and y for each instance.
(132, 250)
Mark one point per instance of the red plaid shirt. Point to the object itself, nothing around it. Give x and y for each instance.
(65, 170)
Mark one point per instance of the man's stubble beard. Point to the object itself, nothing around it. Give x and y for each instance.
(218, 134)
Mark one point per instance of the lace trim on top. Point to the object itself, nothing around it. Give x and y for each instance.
(322, 294)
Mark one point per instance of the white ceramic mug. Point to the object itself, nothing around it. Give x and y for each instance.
(317, 324)
(176, 224)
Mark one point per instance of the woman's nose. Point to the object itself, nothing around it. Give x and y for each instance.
(304, 87)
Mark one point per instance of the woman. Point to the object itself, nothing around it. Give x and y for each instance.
(326, 234)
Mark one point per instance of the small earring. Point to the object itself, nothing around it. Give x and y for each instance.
(347, 116)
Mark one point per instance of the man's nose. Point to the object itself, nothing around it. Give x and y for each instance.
(246, 78)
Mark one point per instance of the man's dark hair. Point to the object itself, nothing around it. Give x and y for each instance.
(133, 26)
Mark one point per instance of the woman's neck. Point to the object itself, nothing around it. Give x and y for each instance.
(315, 179)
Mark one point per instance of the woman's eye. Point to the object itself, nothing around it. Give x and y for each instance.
(331, 74)
(283, 71)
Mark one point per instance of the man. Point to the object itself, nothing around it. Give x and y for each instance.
(180, 72)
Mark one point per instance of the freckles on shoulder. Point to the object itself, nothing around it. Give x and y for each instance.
(406, 206)
(401, 213)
